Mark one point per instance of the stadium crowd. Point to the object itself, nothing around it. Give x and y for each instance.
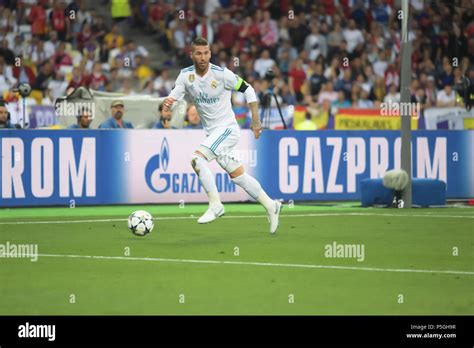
(325, 54)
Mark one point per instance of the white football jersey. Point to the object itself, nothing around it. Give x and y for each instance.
(211, 94)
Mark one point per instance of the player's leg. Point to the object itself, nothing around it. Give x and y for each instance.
(255, 190)
(200, 159)
(199, 162)
(235, 169)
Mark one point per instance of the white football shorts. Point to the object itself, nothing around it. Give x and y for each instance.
(220, 145)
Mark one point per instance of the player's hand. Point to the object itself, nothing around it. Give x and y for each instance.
(168, 103)
(257, 129)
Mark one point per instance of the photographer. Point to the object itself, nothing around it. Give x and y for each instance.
(84, 120)
(165, 119)
(4, 117)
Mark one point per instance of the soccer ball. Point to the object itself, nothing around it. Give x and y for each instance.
(140, 223)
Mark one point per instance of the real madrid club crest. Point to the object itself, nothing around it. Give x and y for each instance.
(214, 84)
(191, 78)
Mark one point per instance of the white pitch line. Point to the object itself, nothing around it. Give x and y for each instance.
(236, 217)
(265, 264)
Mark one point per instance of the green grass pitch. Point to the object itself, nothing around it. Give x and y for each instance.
(418, 261)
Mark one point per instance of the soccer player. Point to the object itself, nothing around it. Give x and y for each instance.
(210, 88)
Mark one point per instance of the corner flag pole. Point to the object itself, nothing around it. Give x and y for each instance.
(405, 99)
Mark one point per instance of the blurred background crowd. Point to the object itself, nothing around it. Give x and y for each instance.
(325, 53)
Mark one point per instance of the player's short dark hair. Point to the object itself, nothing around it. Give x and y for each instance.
(160, 107)
(200, 41)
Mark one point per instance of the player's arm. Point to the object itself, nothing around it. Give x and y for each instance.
(236, 83)
(176, 93)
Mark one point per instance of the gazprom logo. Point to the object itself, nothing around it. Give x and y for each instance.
(158, 182)
(165, 154)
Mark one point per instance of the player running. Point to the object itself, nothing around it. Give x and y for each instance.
(210, 88)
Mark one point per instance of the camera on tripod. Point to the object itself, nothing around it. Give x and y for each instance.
(24, 89)
(465, 89)
(266, 102)
(269, 76)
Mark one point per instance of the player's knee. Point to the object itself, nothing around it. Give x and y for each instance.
(237, 172)
(197, 160)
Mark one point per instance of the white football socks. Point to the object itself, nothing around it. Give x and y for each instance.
(254, 189)
(207, 179)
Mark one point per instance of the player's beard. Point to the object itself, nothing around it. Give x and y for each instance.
(201, 67)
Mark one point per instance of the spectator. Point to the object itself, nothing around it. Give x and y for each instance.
(392, 75)
(284, 63)
(345, 83)
(24, 73)
(248, 33)
(286, 96)
(52, 44)
(317, 80)
(340, 103)
(120, 10)
(97, 80)
(7, 53)
(45, 74)
(58, 20)
(99, 28)
(142, 71)
(446, 97)
(334, 40)
(204, 30)
(7, 80)
(116, 121)
(192, 118)
(84, 36)
(157, 13)
(327, 93)
(7, 22)
(364, 102)
(84, 120)
(381, 12)
(76, 78)
(114, 82)
(20, 47)
(165, 118)
(298, 31)
(38, 55)
(353, 37)
(114, 39)
(296, 79)
(393, 96)
(430, 91)
(315, 43)
(307, 124)
(227, 33)
(37, 18)
(264, 63)
(61, 57)
(4, 117)
(163, 84)
(132, 51)
(268, 31)
(419, 98)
